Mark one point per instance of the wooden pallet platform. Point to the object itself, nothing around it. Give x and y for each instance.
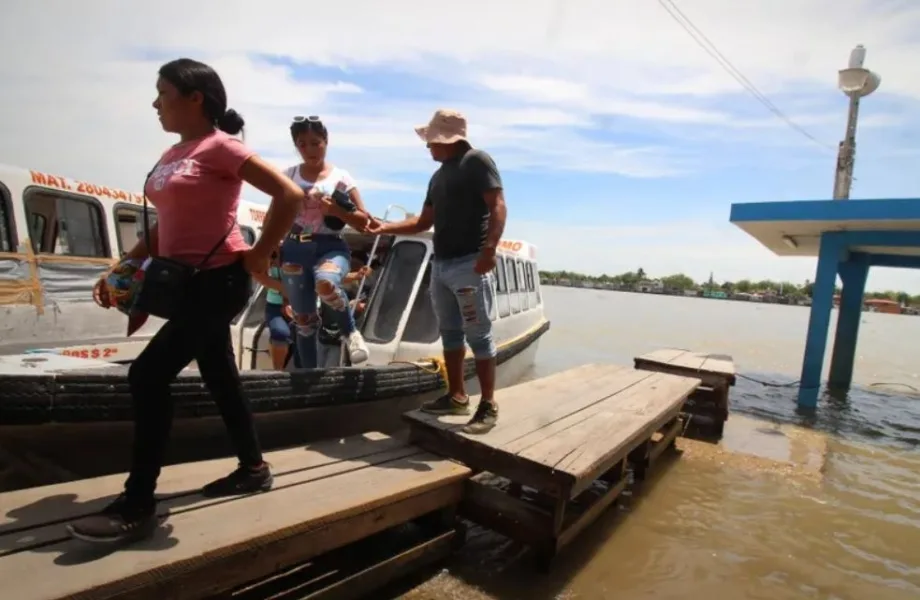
(326, 496)
(570, 437)
(708, 406)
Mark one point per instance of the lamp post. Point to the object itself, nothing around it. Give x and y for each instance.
(856, 82)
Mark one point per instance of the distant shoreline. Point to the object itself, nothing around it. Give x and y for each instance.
(714, 295)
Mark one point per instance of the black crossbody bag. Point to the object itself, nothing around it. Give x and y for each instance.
(166, 281)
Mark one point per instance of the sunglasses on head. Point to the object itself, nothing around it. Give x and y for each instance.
(312, 123)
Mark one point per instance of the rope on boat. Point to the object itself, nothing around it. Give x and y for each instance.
(438, 364)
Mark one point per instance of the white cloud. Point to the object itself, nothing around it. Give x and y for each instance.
(540, 84)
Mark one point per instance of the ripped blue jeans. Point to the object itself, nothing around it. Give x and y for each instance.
(462, 300)
(310, 270)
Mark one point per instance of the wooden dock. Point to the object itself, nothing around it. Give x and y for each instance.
(708, 406)
(300, 540)
(565, 443)
(348, 516)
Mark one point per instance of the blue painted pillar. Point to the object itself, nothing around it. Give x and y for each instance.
(853, 274)
(822, 300)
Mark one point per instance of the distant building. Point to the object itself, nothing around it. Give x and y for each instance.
(650, 286)
(883, 306)
(876, 305)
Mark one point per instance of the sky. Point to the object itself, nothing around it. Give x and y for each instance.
(622, 143)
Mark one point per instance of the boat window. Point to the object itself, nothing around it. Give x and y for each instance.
(522, 283)
(248, 234)
(536, 283)
(503, 305)
(531, 274)
(66, 225)
(512, 275)
(392, 292)
(7, 239)
(422, 326)
(531, 284)
(513, 286)
(129, 225)
(501, 284)
(37, 227)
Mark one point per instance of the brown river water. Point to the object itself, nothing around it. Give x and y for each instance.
(709, 525)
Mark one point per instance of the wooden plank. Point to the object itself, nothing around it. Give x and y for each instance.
(579, 522)
(509, 516)
(40, 536)
(664, 356)
(652, 407)
(484, 458)
(685, 360)
(556, 421)
(668, 434)
(594, 446)
(243, 538)
(688, 360)
(66, 501)
(485, 451)
(523, 412)
(378, 575)
(718, 365)
(561, 431)
(544, 448)
(517, 401)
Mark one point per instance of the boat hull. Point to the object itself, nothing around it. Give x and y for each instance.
(77, 424)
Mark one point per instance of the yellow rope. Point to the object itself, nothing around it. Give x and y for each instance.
(440, 367)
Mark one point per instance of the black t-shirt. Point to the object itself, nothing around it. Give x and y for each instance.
(455, 192)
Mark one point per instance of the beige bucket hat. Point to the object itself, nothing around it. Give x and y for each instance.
(445, 127)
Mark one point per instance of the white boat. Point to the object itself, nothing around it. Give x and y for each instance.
(63, 390)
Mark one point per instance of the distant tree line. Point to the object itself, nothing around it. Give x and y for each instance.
(681, 282)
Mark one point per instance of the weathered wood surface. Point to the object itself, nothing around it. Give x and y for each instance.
(714, 370)
(325, 496)
(562, 432)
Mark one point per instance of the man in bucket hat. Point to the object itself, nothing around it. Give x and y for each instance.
(466, 206)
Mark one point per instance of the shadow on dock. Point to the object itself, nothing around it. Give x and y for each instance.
(34, 519)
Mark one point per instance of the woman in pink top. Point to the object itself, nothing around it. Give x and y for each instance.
(195, 188)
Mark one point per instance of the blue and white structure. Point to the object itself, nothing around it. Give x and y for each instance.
(847, 237)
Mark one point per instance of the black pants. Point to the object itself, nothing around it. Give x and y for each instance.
(201, 332)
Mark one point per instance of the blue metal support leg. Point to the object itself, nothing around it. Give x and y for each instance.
(822, 300)
(853, 274)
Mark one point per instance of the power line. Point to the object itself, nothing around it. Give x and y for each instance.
(703, 42)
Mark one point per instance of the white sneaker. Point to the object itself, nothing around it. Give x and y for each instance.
(357, 349)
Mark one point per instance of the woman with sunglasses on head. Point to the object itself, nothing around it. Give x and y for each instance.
(196, 187)
(315, 257)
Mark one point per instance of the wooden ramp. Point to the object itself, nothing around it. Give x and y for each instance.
(708, 406)
(326, 496)
(570, 437)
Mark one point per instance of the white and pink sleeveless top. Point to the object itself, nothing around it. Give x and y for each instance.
(310, 218)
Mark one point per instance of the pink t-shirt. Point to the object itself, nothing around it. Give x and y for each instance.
(196, 191)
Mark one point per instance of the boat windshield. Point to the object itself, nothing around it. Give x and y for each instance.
(392, 293)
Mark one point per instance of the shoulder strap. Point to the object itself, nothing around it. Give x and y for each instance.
(146, 216)
(218, 244)
(291, 171)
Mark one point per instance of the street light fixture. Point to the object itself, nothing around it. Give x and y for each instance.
(856, 82)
